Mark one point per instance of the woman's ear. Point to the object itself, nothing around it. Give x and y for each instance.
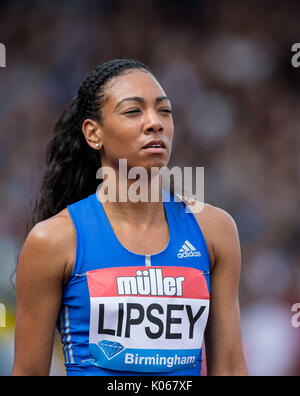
(93, 134)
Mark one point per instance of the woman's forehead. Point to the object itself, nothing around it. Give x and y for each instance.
(136, 83)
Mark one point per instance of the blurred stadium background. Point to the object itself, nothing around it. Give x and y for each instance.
(227, 67)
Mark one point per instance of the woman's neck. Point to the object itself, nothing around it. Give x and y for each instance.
(135, 201)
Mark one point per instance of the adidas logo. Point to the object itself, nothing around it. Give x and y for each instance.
(188, 250)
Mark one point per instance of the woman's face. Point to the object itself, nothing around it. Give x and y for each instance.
(137, 122)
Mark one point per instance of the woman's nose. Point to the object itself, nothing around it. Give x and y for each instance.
(153, 122)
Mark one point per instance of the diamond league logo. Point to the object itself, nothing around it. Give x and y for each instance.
(110, 348)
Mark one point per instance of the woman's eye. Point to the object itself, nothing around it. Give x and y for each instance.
(132, 111)
(137, 111)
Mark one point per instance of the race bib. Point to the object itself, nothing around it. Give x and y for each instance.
(147, 319)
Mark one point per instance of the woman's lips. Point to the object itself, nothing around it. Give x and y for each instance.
(155, 150)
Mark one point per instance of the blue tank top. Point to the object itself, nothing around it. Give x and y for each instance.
(130, 314)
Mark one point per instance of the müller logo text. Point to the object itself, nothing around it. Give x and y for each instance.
(151, 283)
(2, 55)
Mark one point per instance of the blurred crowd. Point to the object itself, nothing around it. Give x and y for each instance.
(226, 65)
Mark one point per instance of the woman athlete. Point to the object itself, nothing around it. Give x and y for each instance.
(131, 286)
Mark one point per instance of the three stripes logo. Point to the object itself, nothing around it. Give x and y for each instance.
(188, 250)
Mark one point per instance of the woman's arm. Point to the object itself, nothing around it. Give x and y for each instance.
(223, 341)
(40, 277)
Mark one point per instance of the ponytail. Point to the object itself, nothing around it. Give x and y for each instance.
(71, 167)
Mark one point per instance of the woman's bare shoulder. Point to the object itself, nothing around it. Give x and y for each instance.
(215, 224)
(53, 240)
(57, 230)
(215, 217)
(211, 216)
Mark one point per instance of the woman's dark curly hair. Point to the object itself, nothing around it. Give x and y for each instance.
(71, 163)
